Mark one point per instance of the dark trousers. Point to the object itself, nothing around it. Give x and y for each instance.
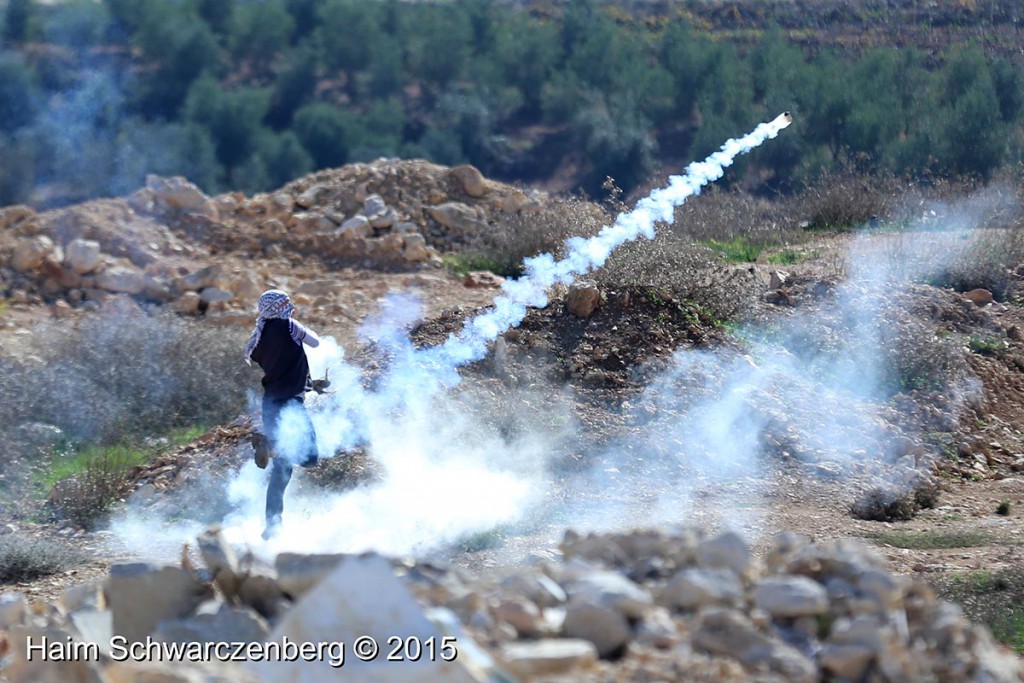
(293, 440)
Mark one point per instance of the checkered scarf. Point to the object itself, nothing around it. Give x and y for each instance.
(273, 304)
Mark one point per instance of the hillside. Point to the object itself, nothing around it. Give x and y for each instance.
(839, 385)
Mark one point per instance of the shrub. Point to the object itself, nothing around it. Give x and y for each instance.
(124, 372)
(25, 558)
(884, 504)
(103, 478)
(845, 199)
(526, 234)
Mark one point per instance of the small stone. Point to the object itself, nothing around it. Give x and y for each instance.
(583, 299)
(847, 662)
(726, 550)
(979, 297)
(549, 657)
(693, 588)
(357, 226)
(482, 279)
(186, 304)
(791, 596)
(215, 295)
(83, 256)
(605, 627)
(521, 614)
(122, 280)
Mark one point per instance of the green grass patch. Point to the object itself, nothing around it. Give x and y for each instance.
(789, 257)
(986, 345)
(463, 264)
(934, 540)
(994, 599)
(84, 483)
(736, 250)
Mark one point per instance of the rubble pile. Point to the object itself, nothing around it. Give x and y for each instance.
(645, 605)
(169, 243)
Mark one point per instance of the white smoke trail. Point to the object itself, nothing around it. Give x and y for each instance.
(588, 254)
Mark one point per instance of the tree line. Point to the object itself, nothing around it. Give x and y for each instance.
(249, 94)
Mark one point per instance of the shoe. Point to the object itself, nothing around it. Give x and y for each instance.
(261, 448)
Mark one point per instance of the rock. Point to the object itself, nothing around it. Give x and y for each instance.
(414, 247)
(141, 595)
(657, 629)
(29, 253)
(521, 614)
(728, 632)
(273, 229)
(613, 590)
(548, 657)
(220, 559)
(121, 279)
(297, 573)
(363, 598)
(693, 588)
(514, 202)
(210, 276)
(847, 662)
(179, 195)
(583, 298)
(791, 596)
(357, 226)
(156, 289)
(726, 550)
(13, 608)
(312, 196)
(538, 588)
(374, 205)
(230, 624)
(979, 297)
(603, 626)
(470, 179)
(151, 672)
(83, 256)
(384, 220)
(246, 286)
(482, 279)
(778, 279)
(262, 593)
(186, 304)
(83, 596)
(215, 295)
(456, 216)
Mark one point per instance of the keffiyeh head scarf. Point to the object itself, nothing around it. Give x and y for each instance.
(273, 304)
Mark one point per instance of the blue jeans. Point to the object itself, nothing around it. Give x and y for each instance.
(293, 440)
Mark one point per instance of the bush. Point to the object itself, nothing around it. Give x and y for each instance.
(885, 504)
(169, 373)
(846, 199)
(105, 476)
(526, 234)
(24, 558)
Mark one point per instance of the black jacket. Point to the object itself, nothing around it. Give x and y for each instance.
(285, 368)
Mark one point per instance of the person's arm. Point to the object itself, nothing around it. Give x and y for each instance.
(303, 335)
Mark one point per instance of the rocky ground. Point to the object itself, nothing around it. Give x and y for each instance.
(634, 606)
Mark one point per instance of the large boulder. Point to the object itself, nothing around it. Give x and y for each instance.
(456, 216)
(362, 600)
(470, 180)
(177, 194)
(141, 595)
